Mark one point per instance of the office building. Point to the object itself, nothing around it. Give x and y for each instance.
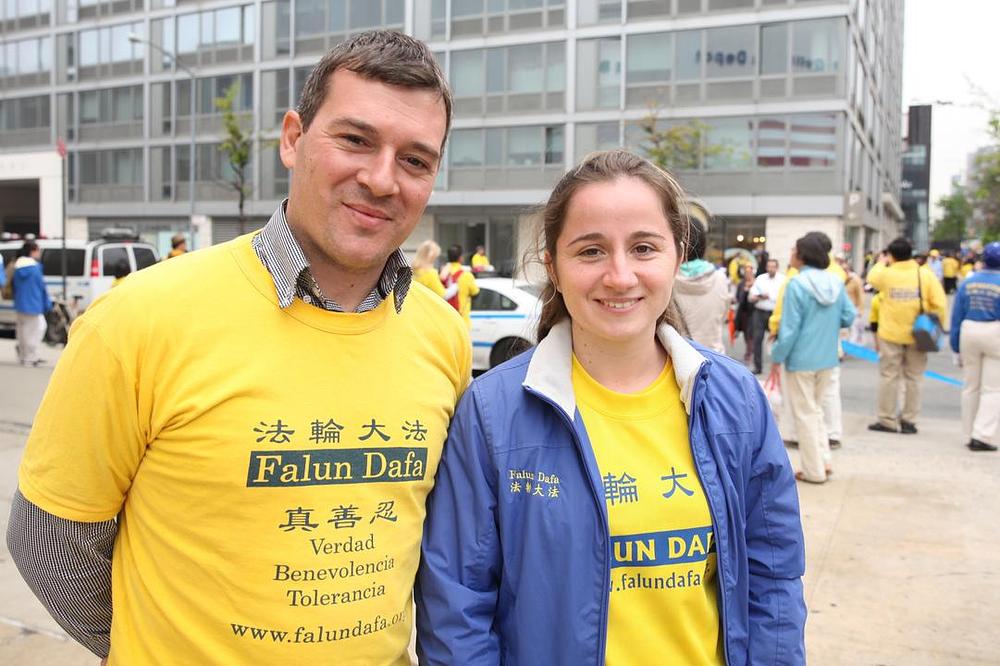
(795, 107)
(915, 198)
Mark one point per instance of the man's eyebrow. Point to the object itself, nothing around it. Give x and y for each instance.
(368, 128)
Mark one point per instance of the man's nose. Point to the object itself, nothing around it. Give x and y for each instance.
(379, 174)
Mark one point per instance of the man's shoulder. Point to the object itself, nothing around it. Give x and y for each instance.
(425, 308)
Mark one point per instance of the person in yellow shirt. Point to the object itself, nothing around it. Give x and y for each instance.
(949, 268)
(424, 267)
(577, 518)
(480, 262)
(231, 463)
(904, 288)
(454, 275)
(178, 246)
(968, 266)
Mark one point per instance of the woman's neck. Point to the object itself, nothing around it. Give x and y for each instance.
(626, 367)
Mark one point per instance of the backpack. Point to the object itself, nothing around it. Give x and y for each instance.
(452, 279)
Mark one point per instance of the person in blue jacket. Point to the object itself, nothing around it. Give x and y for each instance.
(618, 495)
(975, 338)
(31, 302)
(815, 308)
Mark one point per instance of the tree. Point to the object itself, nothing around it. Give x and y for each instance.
(237, 147)
(986, 182)
(957, 211)
(678, 146)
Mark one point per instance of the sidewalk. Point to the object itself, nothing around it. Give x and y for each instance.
(902, 546)
(903, 550)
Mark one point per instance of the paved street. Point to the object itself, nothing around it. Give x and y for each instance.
(903, 546)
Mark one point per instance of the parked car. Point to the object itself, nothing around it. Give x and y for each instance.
(504, 318)
(89, 268)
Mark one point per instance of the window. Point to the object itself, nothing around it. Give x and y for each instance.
(320, 24)
(688, 64)
(529, 77)
(650, 58)
(487, 299)
(817, 46)
(475, 17)
(466, 148)
(812, 140)
(590, 12)
(598, 73)
(144, 257)
(729, 52)
(591, 137)
(52, 261)
(108, 52)
(728, 144)
(111, 257)
(774, 49)
(771, 142)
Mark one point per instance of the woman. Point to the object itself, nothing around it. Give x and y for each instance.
(744, 311)
(615, 495)
(424, 270)
(815, 308)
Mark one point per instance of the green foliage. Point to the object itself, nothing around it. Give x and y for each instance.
(957, 211)
(678, 146)
(237, 148)
(986, 179)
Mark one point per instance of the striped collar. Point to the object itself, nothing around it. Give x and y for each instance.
(284, 259)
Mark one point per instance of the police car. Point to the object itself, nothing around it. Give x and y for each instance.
(504, 318)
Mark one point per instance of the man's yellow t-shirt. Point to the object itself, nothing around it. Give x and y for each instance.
(479, 262)
(949, 267)
(664, 597)
(268, 466)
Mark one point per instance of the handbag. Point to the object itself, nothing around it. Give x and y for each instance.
(772, 389)
(927, 326)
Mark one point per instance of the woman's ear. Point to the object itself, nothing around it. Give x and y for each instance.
(550, 269)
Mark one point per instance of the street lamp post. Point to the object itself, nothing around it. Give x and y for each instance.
(192, 159)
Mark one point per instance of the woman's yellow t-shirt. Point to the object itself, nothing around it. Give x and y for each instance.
(664, 601)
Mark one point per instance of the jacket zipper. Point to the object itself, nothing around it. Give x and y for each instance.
(605, 601)
(695, 403)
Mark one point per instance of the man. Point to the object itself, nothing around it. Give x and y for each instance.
(764, 296)
(934, 263)
(700, 299)
(902, 285)
(454, 274)
(949, 268)
(480, 262)
(975, 337)
(256, 430)
(31, 302)
(178, 246)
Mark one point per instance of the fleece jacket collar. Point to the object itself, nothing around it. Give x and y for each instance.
(550, 371)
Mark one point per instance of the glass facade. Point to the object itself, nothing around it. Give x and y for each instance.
(535, 89)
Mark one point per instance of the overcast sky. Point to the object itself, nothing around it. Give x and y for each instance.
(946, 45)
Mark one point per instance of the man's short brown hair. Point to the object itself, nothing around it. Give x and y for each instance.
(380, 55)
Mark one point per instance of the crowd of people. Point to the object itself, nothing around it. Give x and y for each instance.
(259, 471)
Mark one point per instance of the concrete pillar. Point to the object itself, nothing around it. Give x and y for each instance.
(782, 232)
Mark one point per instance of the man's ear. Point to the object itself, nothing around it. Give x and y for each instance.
(291, 132)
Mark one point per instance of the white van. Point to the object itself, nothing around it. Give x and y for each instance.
(90, 268)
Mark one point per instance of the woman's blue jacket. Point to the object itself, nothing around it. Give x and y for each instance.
(507, 579)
